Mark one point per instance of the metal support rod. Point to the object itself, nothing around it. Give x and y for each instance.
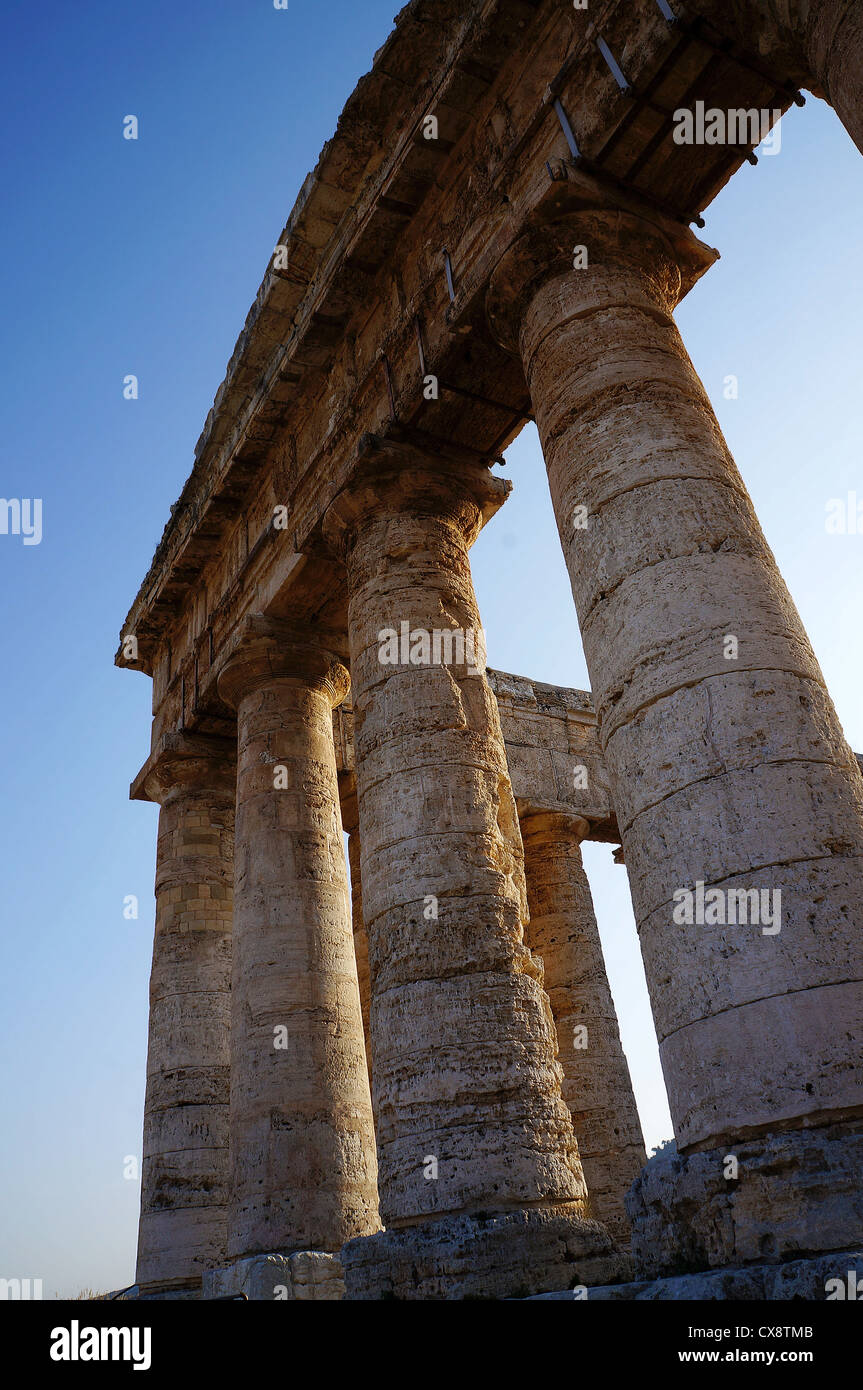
(420, 348)
(616, 70)
(667, 11)
(449, 280)
(483, 400)
(567, 129)
(425, 439)
(390, 392)
(605, 176)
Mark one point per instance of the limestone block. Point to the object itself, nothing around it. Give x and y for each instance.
(796, 1193)
(776, 1060)
(810, 1280)
(665, 628)
(307, 1275)
(769, 716)
(737, 963)
(553, 752)
(481, 1256)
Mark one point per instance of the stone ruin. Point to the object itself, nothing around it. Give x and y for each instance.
(414, 1088)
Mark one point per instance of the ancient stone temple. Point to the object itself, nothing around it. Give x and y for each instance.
(395, 1071)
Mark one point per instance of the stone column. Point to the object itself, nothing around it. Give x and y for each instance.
(727, 764)
(302, 1142)
(361, 939)
(817, 44)
(596, 1081)
(830, 35)
(481, 1189)
(184, 1175)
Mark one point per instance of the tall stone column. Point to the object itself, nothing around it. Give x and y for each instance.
(817, 44)
(302, 1141)
(481, 1188)
(184, 1176)
(596, 1081)
(728, 768)
(361, 939)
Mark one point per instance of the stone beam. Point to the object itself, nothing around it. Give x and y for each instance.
(344, 333)
(817, 44)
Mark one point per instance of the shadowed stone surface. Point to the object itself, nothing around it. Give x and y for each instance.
(504, 1256)
(796, 1193)
(798, 1280)
(817, 44)
(361, 941)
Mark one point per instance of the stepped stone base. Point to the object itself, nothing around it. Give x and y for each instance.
(810, 1280)
(513, 1255)
(310, 1275)
(797, 1194)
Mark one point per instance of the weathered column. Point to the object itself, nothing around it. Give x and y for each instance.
(302, 1142)
(184, 1175)
(481, 1189)
(361, 939)
(596, 1081)
(814, 43)
(728, 767)
(830, 35)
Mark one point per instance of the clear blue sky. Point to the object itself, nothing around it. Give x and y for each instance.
(143, 257)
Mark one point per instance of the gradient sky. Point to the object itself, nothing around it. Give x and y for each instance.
(143, 257)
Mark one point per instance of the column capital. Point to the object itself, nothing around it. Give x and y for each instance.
(186, 764)
(662, 258)
(392, 476)
(267, 649)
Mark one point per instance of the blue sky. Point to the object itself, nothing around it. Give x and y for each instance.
(143, 257)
